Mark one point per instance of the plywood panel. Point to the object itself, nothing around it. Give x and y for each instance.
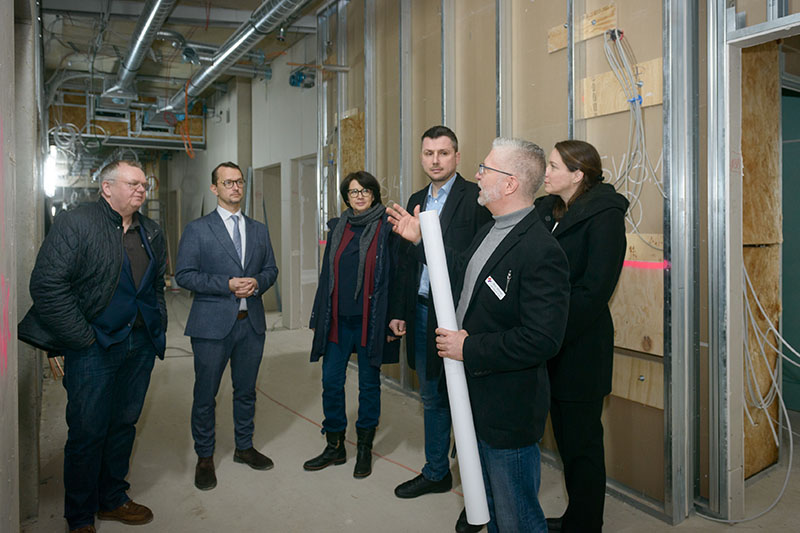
(638, 380)
(352, 129)
(593, 23)
(761, 137)
(602, 94)
(763, 265)
(634, 442)
(637, 306)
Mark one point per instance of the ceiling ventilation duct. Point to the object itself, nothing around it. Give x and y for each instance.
(264, 19)
(154, 13)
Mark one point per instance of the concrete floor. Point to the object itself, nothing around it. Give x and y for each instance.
(287, 498)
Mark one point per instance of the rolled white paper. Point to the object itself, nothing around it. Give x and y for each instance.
(469, 462)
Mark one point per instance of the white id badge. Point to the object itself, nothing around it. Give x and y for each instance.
(495, 288)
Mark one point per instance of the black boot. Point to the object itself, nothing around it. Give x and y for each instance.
(333, 454)
(364, 458)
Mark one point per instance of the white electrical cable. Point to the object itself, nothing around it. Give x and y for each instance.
(762, 338)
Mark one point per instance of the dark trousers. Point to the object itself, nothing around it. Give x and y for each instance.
(334, 374)
(243, 347)
(105, 395)
(579, 436)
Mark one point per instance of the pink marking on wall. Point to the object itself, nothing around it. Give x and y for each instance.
(5, 331)
(647, 265)
(2, 187)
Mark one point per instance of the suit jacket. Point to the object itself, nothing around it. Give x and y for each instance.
(510, 340)
(207, 259)
(460, 219)
(592, 234)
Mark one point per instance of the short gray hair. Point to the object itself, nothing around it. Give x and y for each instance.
(109, 172)
(525, 160)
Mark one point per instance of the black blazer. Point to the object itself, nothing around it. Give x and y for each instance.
(592, 234)
(460, 219)
(510, 340)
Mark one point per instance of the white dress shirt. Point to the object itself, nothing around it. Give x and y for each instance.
(226, 219)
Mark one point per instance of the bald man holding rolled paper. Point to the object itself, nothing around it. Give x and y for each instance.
(513, 296)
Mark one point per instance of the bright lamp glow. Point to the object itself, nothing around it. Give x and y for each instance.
(50, 172)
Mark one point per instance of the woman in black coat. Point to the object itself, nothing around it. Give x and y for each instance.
(587, 217)
(351, 315)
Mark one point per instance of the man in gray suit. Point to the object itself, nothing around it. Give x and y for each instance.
(226, 260)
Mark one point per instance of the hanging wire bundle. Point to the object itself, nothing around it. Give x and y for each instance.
(637, 168)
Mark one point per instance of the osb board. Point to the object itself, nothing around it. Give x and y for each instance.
(195, 127)
(637, 306)
(634, 445)
(539, 80)
(426, 80)
(638, 380)
(602, 94)
(592, 24)
(67, 115)
(475, 92)
(763, 264)
(761, 145)
(352, 129)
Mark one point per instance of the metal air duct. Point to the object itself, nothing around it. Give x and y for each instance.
(154, 13)
(264, 19)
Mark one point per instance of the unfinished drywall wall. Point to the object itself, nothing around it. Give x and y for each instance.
(761, 236)
(426, 80)
(387, 73)
(294, 111)
(475, 85)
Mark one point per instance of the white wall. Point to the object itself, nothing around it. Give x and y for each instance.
(193, 176)
(284, 130)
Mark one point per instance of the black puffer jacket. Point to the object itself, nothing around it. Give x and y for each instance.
(76, 273)
(592, 234)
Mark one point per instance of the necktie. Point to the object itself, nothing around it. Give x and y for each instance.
(237, 237)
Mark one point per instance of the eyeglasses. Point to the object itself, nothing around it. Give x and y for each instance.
(228, 184)
(133, 185)
(352, 193)
(483, 168)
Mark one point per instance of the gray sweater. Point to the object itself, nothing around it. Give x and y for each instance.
(502, 227)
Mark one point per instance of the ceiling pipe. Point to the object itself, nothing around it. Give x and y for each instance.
(154, 13)
(264, 19)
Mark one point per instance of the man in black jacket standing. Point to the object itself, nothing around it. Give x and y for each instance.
(456, 201)
(513, 293)
(98, 299)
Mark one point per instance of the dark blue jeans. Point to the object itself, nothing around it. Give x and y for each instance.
(435, 405)
(244, 348)
(105, 394)
(511, 477)
(334, 373)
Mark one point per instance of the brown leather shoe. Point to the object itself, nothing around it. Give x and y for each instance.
(204, 476)
(85, 529)
(130, 513)
(253, 458)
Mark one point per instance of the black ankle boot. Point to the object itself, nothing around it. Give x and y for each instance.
(333, 454)
(364, 458)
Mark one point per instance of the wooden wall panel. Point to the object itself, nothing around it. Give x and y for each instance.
(603, 95)
(637, 306)
(761, 137)
(593, 23)
(763, 264)
(353, 147)
(638, 380)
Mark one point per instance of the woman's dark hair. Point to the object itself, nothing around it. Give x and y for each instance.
(366, 180)
(578, 155)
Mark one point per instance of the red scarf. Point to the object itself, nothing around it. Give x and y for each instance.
(368, 286)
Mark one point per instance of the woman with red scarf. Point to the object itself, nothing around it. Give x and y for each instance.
(350, 315)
